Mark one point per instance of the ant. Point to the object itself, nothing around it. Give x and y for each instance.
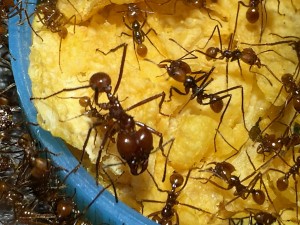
(166, 215)
(254, 13)
(293, 43)
(224, 170)
(134, 146)
(51, 17)
(247, 55)
(282, 183)
(136, 19)
(180, 70)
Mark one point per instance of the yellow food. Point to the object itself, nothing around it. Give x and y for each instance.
(53, 68)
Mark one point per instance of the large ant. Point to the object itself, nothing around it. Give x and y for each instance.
(166, 215)
(133, 145)
(181, 71)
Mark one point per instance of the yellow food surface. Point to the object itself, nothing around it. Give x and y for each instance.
(57, 63)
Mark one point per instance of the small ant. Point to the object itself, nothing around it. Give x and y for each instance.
(180, 70)
(224, 170)
(293, 43)
(254, 13)
(134, 146)
(282, 183)
(51, 17)
(247, 55)
(136, 20)
(166, 215)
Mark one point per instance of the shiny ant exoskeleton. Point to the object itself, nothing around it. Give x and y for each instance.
(224, 170)
(135, 19)
(134, 146)
(295, 44)
(169, 212)
(55, 21)
(181, 71)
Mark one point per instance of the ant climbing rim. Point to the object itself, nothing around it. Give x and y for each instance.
(104, 209)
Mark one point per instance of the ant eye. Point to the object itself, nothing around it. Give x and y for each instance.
(100, 82)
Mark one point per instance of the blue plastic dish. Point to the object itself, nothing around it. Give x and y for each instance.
(105, 209)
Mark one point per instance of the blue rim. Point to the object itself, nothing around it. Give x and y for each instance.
(104, 209)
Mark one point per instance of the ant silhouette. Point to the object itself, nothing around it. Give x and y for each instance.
(181, 71)
(134, 146)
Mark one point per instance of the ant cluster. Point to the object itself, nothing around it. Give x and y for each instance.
(31, 190)
(106, 90)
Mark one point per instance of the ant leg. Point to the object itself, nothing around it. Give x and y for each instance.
(146, 35)
(219, 34)
(30, 25)
(162, 95)
(177, 91)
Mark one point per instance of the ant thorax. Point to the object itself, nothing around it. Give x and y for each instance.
(198, 83)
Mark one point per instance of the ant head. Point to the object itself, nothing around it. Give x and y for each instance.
(176, 179)
(178, 70)
(224, 169)
(134, 13)
(100, 82)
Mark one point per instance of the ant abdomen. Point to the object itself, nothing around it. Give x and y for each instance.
(216, 104)
(259, 196)
(282, 183)
(211, 53)
(252, 14)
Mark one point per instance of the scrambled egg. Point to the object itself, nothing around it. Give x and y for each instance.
(57, 63)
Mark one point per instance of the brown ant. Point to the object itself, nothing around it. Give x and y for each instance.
(136, 19)
(51, 17)
(224, 170)
(167, 214)
(254, 13)
(134, 146)
(180, 70)
(282, 183)
(293, 43)
(247, 55)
